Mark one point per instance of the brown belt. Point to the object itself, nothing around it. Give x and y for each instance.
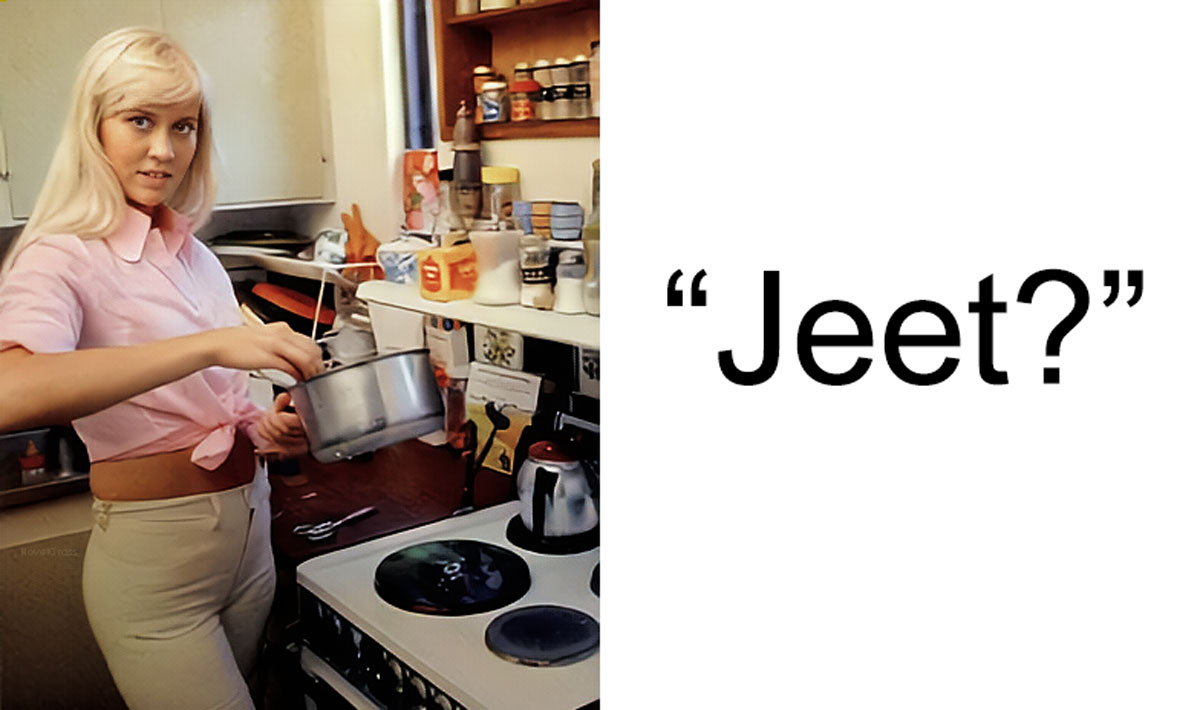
(171, 474)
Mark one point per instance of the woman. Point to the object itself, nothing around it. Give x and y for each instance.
(115, 318)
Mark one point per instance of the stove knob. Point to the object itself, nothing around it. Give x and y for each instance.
(442, 702)
(419, 686)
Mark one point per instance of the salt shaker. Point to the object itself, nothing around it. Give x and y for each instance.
(535, 273)
(568, 289)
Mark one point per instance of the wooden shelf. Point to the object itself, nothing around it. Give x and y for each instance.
(534, 12)
(567, 128)
(547, 29)
(578, 329)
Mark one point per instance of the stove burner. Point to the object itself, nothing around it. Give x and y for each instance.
(543, 635)
(520, 536)
(452, 577)
(595, 585)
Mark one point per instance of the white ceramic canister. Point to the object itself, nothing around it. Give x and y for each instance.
(497, 255)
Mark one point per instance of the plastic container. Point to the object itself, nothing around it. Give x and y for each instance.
(566, 220)
(522, 211)
(522, 72)
(466, 7)
(539, 218)
(486, 5)
(493, 102)
(498, 262)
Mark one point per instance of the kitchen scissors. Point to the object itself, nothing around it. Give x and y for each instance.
(320, 531)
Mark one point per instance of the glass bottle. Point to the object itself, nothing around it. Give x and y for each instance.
(591, 247)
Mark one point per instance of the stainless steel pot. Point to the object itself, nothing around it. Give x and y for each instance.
(366, 405)
(558, 493)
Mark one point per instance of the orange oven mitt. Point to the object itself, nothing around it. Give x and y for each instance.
(360, 247)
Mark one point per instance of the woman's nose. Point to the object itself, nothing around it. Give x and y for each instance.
(160, 146)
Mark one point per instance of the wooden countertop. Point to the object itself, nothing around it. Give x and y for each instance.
(410, 484)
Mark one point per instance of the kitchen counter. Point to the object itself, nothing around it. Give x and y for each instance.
(410, 484)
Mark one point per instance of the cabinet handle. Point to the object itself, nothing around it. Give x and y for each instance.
(3, 155)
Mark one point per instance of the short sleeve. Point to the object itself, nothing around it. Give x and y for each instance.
(40, 306)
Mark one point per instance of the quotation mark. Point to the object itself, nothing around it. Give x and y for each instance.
(675, 296)
(1112, 281)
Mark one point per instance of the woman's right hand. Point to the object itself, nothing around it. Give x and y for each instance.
(256, 347)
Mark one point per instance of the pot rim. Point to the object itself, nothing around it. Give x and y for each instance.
(368, 361)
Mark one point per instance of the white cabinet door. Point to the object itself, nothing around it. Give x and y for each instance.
(261, 61)
(41, 43)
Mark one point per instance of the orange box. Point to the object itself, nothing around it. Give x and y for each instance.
(447, 273)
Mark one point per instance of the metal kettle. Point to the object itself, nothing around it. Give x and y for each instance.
(558, 492)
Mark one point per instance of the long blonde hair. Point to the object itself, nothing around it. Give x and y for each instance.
(81, 195)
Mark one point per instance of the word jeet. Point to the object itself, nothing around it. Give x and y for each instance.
(985, 307)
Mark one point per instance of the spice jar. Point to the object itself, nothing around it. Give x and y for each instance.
(521, 99)
(554, 103)
(536, 291)
(481, 75)
(493, 102)
(501, 187)
(560, 71)
(579, 69)
(541, 72)
(579, 101)
(522, 72)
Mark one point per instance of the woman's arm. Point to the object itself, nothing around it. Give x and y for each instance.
(39, 389)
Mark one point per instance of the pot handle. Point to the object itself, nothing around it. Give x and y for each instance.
(544, 481)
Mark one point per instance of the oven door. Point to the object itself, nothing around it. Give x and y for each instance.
(325, 689)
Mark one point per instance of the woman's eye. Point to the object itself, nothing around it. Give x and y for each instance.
(185, 127)
(140, 121)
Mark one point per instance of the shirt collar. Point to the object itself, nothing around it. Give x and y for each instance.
(129, 239)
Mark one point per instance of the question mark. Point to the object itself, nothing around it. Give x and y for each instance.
(1050, 375)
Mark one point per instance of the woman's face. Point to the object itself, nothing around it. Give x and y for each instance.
(150, 148)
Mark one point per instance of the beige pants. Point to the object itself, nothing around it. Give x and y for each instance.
(177, 592)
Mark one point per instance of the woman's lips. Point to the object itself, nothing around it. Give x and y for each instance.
(155, 176)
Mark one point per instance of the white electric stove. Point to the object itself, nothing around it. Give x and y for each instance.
(388, 653)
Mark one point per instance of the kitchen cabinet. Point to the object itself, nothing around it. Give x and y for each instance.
(260, 59)
(525, 33)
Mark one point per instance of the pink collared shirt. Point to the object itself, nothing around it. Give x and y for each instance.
(138, 285)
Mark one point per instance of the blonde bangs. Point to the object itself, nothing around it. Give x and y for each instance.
(153, 75)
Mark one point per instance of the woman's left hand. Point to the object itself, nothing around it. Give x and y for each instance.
(282, 430)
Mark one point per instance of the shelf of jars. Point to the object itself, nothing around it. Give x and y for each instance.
(534, 128)
(579, 329)
(502, 38)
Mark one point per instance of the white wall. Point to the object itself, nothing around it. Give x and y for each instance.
(361, 50)
(551, 168)
(361, 62)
